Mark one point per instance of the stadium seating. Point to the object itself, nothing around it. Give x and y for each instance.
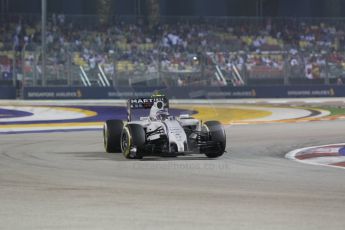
(260, 49)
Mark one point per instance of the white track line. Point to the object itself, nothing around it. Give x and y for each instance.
(44, 113)
(49, 128)
(292, 156)
(180, 101)
(279, 113)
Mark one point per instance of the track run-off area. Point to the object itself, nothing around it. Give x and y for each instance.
(55, 174)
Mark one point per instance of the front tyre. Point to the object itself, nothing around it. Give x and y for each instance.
(216, 138)
(133, 137)
(112, 135)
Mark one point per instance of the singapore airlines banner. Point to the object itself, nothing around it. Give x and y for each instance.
(183, 92)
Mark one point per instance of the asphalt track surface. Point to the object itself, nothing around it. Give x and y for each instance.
(66, 181)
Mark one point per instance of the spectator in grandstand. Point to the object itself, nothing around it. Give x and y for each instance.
(259, 47)
(339, 81)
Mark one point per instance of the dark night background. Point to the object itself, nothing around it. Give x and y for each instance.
(273, 8)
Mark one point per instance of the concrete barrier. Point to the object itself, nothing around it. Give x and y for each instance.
(7, 92)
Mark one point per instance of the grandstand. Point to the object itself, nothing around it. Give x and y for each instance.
(127, 51)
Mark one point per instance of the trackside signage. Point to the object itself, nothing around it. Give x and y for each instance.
(181, 92)
(312, 93)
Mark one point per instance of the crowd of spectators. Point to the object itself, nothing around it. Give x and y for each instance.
(256, 47)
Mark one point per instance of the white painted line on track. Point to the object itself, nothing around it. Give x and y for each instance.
(44, 113)
(52, 128)
(292, 156)
(174, 101)
(283, 113)
(327, 160)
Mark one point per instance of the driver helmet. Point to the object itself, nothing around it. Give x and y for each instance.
(162, 115)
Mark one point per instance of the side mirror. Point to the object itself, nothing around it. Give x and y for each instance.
(184, 116)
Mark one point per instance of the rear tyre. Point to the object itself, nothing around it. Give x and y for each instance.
(216, 135)
(112, 135)
(133, 137)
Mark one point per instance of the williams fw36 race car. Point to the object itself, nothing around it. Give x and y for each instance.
(160, 134)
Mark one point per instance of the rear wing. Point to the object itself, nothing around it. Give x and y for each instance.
(144, 103)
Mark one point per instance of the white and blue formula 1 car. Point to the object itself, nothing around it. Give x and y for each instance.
(161, 134)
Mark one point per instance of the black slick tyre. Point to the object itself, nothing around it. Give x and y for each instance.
(132, 139)
(216, 135)
(112, 135)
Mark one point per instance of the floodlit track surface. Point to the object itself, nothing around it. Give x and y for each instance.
(67, 181)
